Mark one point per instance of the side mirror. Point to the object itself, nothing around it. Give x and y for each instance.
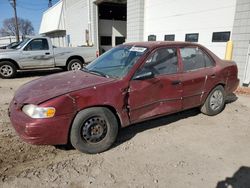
(144, 76)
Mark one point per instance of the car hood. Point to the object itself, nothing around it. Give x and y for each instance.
(48, 87)
(6, 53)
(7, 50)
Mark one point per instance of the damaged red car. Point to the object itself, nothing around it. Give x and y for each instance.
(130, 83)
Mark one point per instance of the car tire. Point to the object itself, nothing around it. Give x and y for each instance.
(7, 70)
(74, 64)
(94, 130)
(215, 102)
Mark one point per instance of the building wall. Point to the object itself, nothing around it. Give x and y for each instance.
(81, 15)
(51, 19)
(58, 38)
(113, 28)
(76, 21)
(180, 17)
(135, 20)
(94, 23)
(4, 41)
(241, 39)
(161, 17)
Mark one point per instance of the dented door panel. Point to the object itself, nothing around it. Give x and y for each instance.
(154, 97)
(193, 85)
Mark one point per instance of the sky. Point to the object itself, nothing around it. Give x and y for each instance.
(27, 9)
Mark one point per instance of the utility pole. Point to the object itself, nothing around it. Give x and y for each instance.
(13, 4)
(50, 4)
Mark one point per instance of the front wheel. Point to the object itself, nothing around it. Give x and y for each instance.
(94, 130)
(7, 69)
(75, 64)
(215, 102)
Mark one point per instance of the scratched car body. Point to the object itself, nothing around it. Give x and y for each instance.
(39, 53)
(131, 83)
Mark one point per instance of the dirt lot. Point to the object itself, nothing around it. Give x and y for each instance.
(187, 149)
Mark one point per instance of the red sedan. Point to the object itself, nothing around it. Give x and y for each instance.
(130, 83)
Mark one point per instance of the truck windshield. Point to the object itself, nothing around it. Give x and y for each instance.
(22, 43)
(117, 62)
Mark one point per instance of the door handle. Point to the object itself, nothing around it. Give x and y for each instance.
(176, 82)
(47, 53)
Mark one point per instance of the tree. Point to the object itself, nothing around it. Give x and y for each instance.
(9, 29)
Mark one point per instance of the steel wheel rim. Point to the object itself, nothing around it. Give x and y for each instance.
(6, 70)
(216, 100)
(94, 129)
(76, 66)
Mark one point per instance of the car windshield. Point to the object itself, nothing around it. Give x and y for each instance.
(117, 62)
(22, 43)
(13, 45)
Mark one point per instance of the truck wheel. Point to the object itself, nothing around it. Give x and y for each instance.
(7, 69)
(215, 102)
(94, 130)
(74, 64)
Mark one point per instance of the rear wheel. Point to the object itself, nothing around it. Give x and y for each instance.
(75, 64)
(215, 102)
(94, 130)
(7, 69)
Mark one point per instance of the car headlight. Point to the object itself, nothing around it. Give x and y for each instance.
(37, 112)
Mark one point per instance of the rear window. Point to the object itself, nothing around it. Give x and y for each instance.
(194, 58)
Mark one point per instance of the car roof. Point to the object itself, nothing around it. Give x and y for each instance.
(154, 44)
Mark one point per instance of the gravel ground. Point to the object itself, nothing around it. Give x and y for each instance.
(187, 149)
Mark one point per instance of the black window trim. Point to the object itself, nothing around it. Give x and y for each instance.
(169, 35)
(191, 34)
(152, 35)
(220, 32)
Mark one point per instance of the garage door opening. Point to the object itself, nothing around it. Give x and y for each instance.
(112, 24)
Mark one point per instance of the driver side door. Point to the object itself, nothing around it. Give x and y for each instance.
(160, 94)
(37, 54)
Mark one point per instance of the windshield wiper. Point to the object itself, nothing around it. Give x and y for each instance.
(99, 73)
(95, 72)
(85, 69)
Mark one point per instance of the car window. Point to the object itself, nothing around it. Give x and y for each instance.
(192, 58)
(22, 43)
(37, 44)
(162, 61)
(118, 61)
(208, 61)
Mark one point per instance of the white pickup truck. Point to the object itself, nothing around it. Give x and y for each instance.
(39, 53)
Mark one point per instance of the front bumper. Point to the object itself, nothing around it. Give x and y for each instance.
(50, 131)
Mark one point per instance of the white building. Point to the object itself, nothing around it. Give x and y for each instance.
(4, 41)
(106, 23)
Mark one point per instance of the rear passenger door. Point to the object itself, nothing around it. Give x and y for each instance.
(197, 72)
